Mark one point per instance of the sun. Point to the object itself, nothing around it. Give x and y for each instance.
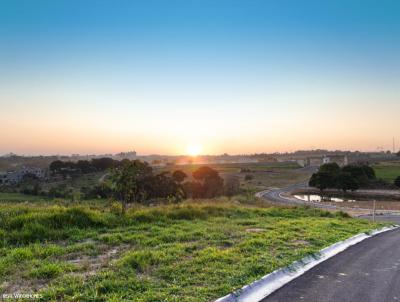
(193, 149)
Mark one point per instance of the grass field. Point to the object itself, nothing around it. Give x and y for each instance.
(264, 175)
(18, 197)
(387, 171)
(196, 251)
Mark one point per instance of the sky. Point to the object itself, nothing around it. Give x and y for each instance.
(160, 77)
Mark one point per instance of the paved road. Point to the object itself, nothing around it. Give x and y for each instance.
(281, 196)
(277, 196)
(366, 272)
(393, 218)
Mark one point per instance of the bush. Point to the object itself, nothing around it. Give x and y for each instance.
(397, 182)
(231, 186)
(248, 177)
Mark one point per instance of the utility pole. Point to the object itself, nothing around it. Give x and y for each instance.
(373, 211)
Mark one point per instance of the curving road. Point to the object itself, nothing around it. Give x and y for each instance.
(366, 272)
(280, 196)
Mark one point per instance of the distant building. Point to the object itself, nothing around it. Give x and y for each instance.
(316, 161)
(126, 155)
(341, 160)
(15, 177)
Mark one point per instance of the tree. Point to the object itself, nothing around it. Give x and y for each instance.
(397, 182)
(209, 181)
(370, 172)
(322, 181)
(204, 173)
(179, 176)
(56, 166)
(398, 154)
(104, 163)
(345, 181)
(128, 182)
(84, 166)
(163, 185)
(330, 168)
(361, 173)
(231, 186)
(248, 177)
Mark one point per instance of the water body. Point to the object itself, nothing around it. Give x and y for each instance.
(318, 198)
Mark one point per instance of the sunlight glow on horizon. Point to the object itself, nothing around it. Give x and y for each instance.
(193, 149)
(179, 77)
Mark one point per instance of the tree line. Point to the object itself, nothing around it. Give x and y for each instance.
(70, 168)
(135, 182)
(350, 177)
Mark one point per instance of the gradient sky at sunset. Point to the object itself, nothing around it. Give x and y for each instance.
(230, 76)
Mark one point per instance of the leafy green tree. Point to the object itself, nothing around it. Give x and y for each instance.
(345, 182)
(248, 177)
(128, 182)
(330, 168)
(363, 174)
(370, 172)
(205, 172)
(231, 185)
(179, 176)
(212, 184)
(322, 181)
(84, 166)
(163, 185)
(397, 181)
(56, 166)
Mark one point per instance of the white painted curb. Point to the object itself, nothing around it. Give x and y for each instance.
(265, 286)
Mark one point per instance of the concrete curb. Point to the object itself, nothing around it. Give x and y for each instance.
(265, 286)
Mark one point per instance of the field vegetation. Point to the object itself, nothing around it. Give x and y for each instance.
(388, 171)
(195, 251)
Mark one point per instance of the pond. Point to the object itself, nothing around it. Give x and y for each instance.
(318, 198)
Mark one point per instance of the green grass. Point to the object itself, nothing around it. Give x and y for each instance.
(196, 251)
(13, 197)
(387, 171)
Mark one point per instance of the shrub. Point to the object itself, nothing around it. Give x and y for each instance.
(248, 177)
(231, 186)
(397, 182)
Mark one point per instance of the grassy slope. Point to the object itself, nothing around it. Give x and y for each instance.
(191, 252)
(265, 175)
(14, 197)
(388, 171)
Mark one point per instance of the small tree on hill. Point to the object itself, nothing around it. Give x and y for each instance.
(212, 184)
(179, 176)
(128, 182)
(232, 185)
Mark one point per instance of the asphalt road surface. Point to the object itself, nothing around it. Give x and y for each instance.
(277, 196)
(366, 272)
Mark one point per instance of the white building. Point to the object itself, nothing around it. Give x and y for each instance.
(15, 177)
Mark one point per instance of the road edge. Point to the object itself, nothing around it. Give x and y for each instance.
(259, 289)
